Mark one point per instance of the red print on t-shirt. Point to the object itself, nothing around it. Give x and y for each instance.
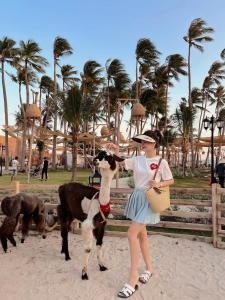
(154, 166)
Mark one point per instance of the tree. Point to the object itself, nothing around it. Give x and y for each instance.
(31, 59)
(61, 48)
(116, 75)
(67, 76)
(197, 34)
(146, 54)
(8, 53)
(71, 107)
(175, 65)
(91, 81)
(183, 118)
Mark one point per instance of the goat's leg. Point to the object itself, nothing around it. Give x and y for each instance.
(4, 243)
(26, 221)
(99, 234)
(64, 234)
(39, 220)
(64, 230)
(87, 233)
(12, 240)
(6, 231)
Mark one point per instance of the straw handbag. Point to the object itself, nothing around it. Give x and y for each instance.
(159, 198)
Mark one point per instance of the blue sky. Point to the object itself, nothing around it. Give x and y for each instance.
(102, 29)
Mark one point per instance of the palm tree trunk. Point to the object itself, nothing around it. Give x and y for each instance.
(137, 80)
(6, 118)
(40, 99)
(27, 85)
(191, 107)
(202, 116)
(23, 148)
(65, 147)
(30, 151)
(74, 153)
(108, 104)
(55, 119)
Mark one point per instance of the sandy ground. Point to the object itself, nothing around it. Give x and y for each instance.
(183, 270)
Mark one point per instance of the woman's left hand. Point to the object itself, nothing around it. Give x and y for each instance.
(154, 184)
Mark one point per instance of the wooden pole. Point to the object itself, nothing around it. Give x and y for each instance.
(15, 187)
(215, 198)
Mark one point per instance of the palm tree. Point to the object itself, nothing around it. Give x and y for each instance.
(146, 53)
(183, 119)
(46, 86)
(71, 107)
(61, 48)
(67, 76)
(114, 70)
(197, 34)
(8, 52)
(91, 81)
(175, 65)
(31, 58)
(20, 79)
(219, 99)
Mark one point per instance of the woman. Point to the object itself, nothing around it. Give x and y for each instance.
(138, 208)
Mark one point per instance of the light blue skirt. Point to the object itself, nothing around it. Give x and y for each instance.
(139, 210)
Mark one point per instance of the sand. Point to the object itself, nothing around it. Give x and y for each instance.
(183, 270)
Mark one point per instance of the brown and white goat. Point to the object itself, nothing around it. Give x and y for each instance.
(75, 202)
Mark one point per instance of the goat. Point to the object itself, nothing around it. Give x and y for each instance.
(31, 207)
(79, 201)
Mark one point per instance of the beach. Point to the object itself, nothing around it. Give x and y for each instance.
(37, 270)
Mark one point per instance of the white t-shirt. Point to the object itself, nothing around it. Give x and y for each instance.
(14, 164)
(144, 170)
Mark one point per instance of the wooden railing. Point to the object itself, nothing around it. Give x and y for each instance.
(203, 222)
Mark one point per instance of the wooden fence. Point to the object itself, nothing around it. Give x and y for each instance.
(195, 213)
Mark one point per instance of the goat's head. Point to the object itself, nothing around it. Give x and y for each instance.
(105, 160)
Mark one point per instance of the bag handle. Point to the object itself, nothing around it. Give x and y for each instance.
(156, 171)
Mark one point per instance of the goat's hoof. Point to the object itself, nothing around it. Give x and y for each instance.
(67, 258)
(14, 244)
(84, 276)
(44, 236)
(22, 241)
(102, 268)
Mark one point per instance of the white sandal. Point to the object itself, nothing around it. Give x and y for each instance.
(145, 276)
(127, 291)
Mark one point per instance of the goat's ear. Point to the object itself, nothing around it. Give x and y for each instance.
(117, 158)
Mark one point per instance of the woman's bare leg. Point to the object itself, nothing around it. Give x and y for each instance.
(133, 232)
(143, 237)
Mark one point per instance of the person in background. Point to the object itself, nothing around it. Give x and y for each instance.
(45, 169)
(220, 171)
(26, 163)
(15, 164)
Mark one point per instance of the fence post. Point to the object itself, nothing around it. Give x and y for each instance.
(15, 187)
(215, 198)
